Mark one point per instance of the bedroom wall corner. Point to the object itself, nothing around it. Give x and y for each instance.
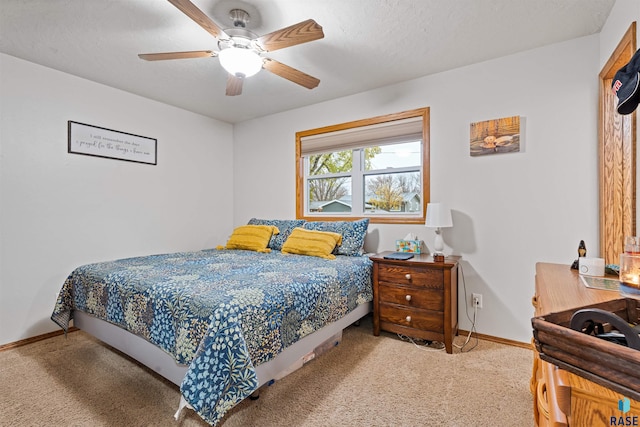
(61, 210)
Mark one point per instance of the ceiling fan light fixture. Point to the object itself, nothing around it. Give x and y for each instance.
(241, 51)
(240, 62)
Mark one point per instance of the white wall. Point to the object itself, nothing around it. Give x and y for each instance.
(510, 210)
(623, 13)
(61, 210)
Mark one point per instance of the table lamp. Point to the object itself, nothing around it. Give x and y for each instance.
(438, 217)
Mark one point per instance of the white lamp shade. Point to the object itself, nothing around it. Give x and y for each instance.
(438, 216)
(240, 62)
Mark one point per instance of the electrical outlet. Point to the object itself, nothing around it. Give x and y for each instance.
(476, 300)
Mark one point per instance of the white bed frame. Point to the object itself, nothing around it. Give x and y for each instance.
(292, 358)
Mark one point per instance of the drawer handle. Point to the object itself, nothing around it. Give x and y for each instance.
(408, 318)
(408, 276)
(408, 297)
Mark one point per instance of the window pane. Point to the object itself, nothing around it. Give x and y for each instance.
(376, 168)
(327, 163)
(393, 193)
(393, 156)
(329, 195)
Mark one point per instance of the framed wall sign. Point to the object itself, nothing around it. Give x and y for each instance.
(100, 142)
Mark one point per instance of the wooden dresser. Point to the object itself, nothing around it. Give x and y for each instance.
(560, 397)
(417, 297)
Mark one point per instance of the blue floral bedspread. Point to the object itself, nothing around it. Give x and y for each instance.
(220, 312)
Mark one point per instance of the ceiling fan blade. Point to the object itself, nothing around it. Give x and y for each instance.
(234, 85)
(199, 16)
(177, 55)
(301, 32)
(290, 73)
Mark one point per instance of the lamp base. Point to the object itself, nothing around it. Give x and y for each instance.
(438, 243)
(438, 257)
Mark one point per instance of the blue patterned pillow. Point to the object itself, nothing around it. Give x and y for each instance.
(353, 233)
(284, 225)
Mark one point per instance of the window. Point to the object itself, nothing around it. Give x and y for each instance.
(376, 168)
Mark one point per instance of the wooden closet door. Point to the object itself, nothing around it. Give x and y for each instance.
(617, 159)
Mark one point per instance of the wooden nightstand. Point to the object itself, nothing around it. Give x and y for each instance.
(417, 297)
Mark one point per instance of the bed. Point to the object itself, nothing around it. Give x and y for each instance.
(222, 322)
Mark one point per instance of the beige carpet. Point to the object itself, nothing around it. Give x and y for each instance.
(365, 381)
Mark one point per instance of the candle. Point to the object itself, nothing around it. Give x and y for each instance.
(630, 275)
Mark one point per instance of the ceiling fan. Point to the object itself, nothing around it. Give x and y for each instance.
(241, 51)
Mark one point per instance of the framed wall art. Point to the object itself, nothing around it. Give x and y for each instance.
(101, 142)
(495, 136)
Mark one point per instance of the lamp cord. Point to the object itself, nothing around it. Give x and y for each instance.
(473, 321)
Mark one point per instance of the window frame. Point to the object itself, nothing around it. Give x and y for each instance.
(375, 219)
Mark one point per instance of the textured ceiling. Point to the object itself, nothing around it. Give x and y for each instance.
(367, 43)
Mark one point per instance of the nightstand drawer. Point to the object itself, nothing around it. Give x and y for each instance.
(412, 297)
(412, 318)
(404, 275)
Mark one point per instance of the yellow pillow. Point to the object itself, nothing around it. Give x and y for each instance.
(251, 238)
(312, 242)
